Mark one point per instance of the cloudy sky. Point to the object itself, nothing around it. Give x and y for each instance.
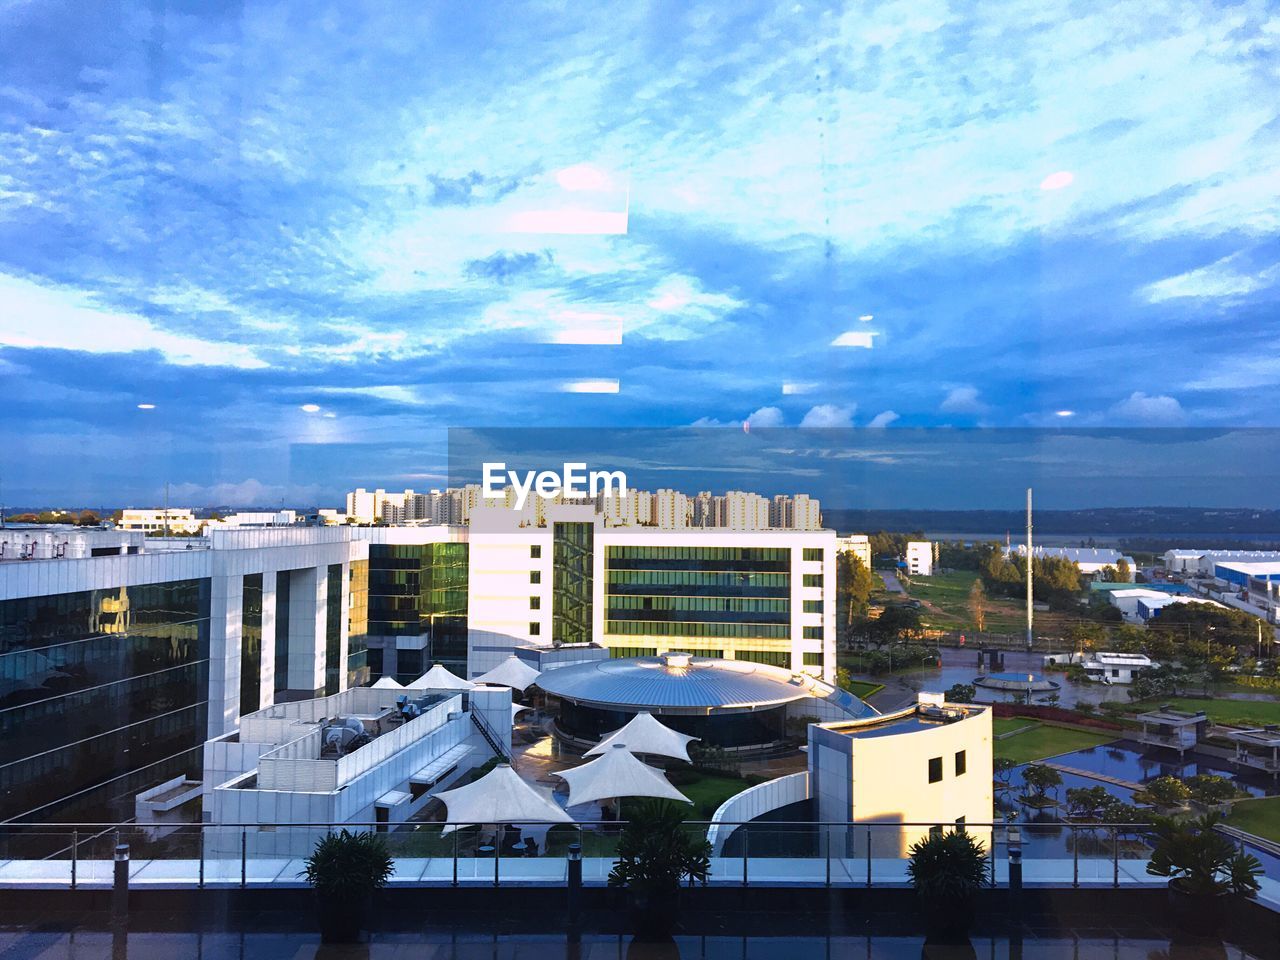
(265, 250)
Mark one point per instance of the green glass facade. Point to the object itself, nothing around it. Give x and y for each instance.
(103, 693)
(420, 590)
(698, 592)
(333, 665)
(251, 643)
(572, 582)
(358, 624)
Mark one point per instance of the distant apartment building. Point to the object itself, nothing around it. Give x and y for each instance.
(919, 558)
(161, 522)
(859, 544)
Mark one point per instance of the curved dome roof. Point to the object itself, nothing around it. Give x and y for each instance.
(679, 683)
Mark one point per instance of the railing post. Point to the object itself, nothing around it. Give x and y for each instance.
(746, 851)
(826, 834)
(868, 856)
(1075, 857)
(75, 845)
(120, 885)
(1115, 857)
(455, 857)
(497, 855)
(200, 881)
(244, 857)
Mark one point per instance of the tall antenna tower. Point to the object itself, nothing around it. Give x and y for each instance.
(1030, 638)
(166, 521)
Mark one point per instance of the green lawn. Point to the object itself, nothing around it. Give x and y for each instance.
(1002, 725)
(949, 592)
(1232, 712)
(706, 790)
(864, 688)
(1043, 741)
(1260, 817)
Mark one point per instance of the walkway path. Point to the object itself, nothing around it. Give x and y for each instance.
(1090, 774)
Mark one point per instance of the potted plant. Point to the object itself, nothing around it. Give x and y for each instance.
(655, 853)
(948, 870)
(345, 869)
(1204, 869)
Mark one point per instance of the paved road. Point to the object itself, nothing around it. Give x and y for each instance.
(891, 582)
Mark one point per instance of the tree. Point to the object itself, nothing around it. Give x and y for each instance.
(854, 583)
(978, 605)
(1123, 573)
(961, 693)
(896, 620)
(1087, 803)
(1163, 792)
(87, 518)
(1003, 768)
(1210, 789)
(1040, 779)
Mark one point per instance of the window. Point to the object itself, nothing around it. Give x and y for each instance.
(813, 659)
(813, 579)
(935, 769)
(535, 576)
(535, 628)
(813, 606)
(535, 551)
(960, 762)
(535, 603)
(812, 633)
(813, 553)
(770, 657)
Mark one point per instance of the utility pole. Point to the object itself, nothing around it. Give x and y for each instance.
(1030, 637)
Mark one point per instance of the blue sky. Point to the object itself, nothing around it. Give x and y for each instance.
(300, 232)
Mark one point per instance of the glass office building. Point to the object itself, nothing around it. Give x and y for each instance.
(103, 693)
(417, 600)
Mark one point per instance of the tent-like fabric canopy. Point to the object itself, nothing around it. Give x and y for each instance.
(644, 734)
(516, 709)
(500, 796)
(511, 672)
(386, 683)
(617, 774)
(439, 678)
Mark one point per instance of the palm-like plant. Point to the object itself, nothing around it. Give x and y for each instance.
(656, 852)
(1200, 861)
(349, 865)
(947, 870)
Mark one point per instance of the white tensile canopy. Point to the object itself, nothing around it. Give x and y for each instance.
(516, 709)
(511, 672)
(617, 773)
(500, 796)
(439, 678)
(386, 683)
(644, 734)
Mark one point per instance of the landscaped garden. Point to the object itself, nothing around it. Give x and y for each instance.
(1040, 740)
(1236, 713)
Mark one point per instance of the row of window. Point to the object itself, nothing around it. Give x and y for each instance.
(686, 628)
(813, 606)
(733, 604)
(935, 767)
(700, 553)
(812, 580)
(813, 553)
(698, 578)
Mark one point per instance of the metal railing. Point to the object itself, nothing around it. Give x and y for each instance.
(754, 852)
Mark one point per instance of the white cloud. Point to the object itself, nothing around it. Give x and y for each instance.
(1149, 409)
(393, 393)
(766, 417)
(590, 386)
(963, 399)
(792, 388)
(64, 318)
(829, 415)
(1221, 279)
(883, 419)
(855, 338)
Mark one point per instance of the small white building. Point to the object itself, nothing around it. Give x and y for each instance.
(928, 764)
(859, 544)
(1116, 667)
(1176, 729)
(919, 558)
(1258, 749)
(160, 522)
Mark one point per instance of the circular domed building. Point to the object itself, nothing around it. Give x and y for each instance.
(731, 704)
